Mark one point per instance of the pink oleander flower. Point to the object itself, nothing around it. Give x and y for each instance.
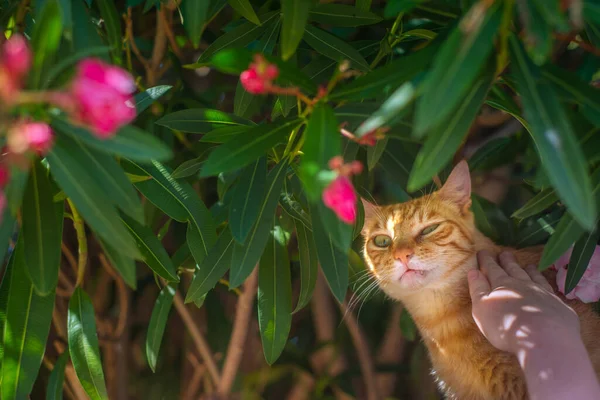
(30, 136)
(259, 76)
(4, 175)
(102, 97)
(16, 56)
(341, 198)
(588, 288)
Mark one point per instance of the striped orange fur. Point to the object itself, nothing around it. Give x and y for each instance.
(434, 289)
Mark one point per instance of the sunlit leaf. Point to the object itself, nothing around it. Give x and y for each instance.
(157, 324)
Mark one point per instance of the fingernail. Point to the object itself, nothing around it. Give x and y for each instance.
(473, 274)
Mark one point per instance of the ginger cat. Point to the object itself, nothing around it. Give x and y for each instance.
(435, 235)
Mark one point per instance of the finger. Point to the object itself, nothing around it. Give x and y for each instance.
(509, 263)
(478, 285)
(538, 278)
(490, 267)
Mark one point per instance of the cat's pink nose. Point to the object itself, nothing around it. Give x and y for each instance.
(403, 254)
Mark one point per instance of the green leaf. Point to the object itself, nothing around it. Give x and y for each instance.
(334, 262)
(295, 16)
(7, 228)
(89, 197)
(241, 36)
(245, 9)
(332, 47)
(112, 24)
(194, 13)
(387, 78)
(294, 209)
(200, 120)
(309, 264)
(569, 85)
(556, 142)
(214, 266)
(247, 195)
(274, 295)
(158, 323)
(188, 168)
(130, 142)
(15, 189)
(456, 69)
(342, 15)
(580, 258)
(374, 153)
(4, 291)
(567, 232)
(246, 256)
(85, 33)
(224, 135)
(394, 107)
(54, 390)
(443, 140)
(123, 263)
(247, 147)
(45, 41)
(537, 204)
(83, 345)
(322, 142)
(153, 253)
(42, 235)
(145, 99)
(57, 69)
(28, 318)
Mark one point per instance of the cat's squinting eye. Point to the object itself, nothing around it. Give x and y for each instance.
(429, 229)
(382, 240)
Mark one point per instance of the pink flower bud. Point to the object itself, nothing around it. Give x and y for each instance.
(341, 198)
(271, 72)
(16, 56)
(33, 136)
(102, 95)
(252, 82)
(4, 175)
(336, 162)
(356, 167)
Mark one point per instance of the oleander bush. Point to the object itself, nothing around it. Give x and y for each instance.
(180, 181)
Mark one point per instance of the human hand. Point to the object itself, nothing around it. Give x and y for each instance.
(516, 308)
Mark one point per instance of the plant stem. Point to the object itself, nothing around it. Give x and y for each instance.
(81, 244)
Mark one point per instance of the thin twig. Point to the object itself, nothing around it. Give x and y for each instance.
(362, 351)
(159, 50)
(199, 340)
(170, 36)
(241, 324)
(131, 39)
(69, 256)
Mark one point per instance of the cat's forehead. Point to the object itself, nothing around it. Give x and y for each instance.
(410, 213)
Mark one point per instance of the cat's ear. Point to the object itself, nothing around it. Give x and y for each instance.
(458, 186)
(370, 210)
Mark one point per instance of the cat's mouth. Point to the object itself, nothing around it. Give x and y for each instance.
(413, 273)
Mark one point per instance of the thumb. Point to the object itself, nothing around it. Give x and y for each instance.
(478, 285)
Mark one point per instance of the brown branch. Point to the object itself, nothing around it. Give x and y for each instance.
(241, 324)
(170, 36)
(584, 45)
(69, 256)
(362, 351)
(391, 351)
(159, 49)
(198, 338)
(123, 296)
(131, 39)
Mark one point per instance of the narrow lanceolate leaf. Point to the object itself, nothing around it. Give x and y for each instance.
(456, 68)
(194, 13)
(54, 390)
(245, 9)
(374, 153)
(247, 147)
(568, 231)
(333, 47)
(42, 235)
(123, 263)
(245, 256)
(295, 15)
(158, 323)
(4, 291)
(241, 36)
(214, 266)
(556, 142)
(153, 253)
(580, 259)
(201, 120)
(334, 262)
(443, 140)
(83, 345)
(45, 41)
(342, 15)
(28, 318)
(112, 25)
(130, 142)
(309, 264)
(247, 195)
(322, 143)
(91, 200)
(145, 99)
(274, 295)
(537, 204)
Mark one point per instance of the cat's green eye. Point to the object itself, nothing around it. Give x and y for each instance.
(382, 240)
(429, 229)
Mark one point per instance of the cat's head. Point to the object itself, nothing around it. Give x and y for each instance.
(422, 243)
